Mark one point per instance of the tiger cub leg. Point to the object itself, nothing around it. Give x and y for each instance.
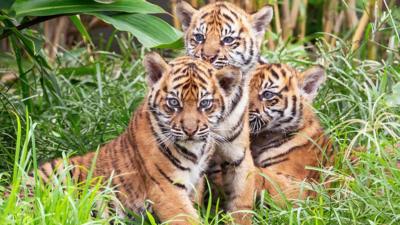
(280, 186)
(238, 178)
(172, 204)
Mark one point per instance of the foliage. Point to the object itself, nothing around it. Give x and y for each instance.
(127, 15)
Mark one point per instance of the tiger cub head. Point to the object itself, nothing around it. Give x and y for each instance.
(278, 94)
(224, 34)
(188, 96)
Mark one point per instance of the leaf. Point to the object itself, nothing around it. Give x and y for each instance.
(76, 20)
(151, 218)
(31, 41)
(394, 98)
(105, 1)
(6, 4)
(151, 31)
(179, 44)
(60, 7)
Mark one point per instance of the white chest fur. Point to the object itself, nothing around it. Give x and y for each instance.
(190, 178)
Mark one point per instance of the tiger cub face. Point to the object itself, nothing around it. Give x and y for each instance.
(224, 34)
(278, 94)
(188, 96)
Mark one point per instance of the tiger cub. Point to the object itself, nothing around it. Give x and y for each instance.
(286, 136)
(223, 34)
(169, 141)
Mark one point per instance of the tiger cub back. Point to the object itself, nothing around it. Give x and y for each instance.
(165, 150)
(286, 135)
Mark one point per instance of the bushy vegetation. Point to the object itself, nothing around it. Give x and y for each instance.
(85, 98)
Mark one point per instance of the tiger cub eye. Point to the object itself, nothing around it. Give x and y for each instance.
(268, 95)
(199, 38)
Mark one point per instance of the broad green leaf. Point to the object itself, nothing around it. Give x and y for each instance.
(58, 7)
(6, 4)
(105, 1)
(151, 31)
(179, 44)
(76, 20)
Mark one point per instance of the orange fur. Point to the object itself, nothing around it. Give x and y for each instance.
(286, 134)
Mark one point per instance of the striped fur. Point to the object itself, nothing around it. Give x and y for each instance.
(165, 150)
(223, 34)
(286, 136)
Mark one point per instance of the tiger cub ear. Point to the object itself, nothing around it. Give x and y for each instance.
(310, 81)
(185, 12)
(229, 78)
(260, 20)
(155, 67)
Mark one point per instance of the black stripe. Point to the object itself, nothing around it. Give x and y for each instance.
(125, 143)
(169, 179)
(241, 56)
(202, 85)
(179, 77)
(235, 45)
(294, 109)
(203, 148)
(249, 60)
(287, 152)
(155, 181)
(157, 94)
(235, 163)
(71, 171)
(186, 153)
(129, 148)
(274, 74)
(237, 98)
(286, 103)
(276, 143)
(287, 120)
(118, 178)
(201, 79)
(178, 70)
(204, 15)
(133, 143)
(165, 150)
(227, 17)
(237, 129)
(280, 112)
(176, 86)
(235, 135)
(234, 14)
(265, 164)
(251, 48)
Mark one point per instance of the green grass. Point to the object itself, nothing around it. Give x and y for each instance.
(92, 98)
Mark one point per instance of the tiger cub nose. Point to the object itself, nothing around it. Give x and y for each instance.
(209, 58)
(190, 131)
